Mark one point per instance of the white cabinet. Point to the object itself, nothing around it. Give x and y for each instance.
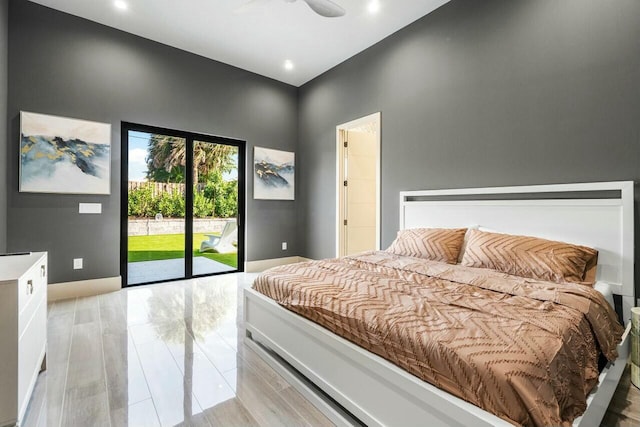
(23, 331)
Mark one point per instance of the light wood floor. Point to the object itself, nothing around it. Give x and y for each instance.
(624, 409)
(173, 354)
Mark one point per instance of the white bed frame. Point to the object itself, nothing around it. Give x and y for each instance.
(345, 381)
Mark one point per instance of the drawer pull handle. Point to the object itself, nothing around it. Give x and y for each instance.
(29, 287)
(43, 271)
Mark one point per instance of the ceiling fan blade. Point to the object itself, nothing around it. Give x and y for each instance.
(250, 6)
(326, 8)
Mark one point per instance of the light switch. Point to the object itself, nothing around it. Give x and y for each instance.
(90, 208)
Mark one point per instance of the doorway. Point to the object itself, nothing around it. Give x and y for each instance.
(182, 205)
(358, 185)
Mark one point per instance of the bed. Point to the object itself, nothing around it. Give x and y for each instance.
(345, 379)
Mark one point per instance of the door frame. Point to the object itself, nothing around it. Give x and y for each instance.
(189, 137)
(376, 120)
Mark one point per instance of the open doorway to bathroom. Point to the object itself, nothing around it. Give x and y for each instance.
(182, 204)
(358, 185)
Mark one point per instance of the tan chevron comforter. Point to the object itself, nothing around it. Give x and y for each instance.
(522, 349)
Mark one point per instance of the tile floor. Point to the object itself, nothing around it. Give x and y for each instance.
(161, 355)
(173, 355)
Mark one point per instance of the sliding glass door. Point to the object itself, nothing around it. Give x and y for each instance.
(215, 207)
(180, 190)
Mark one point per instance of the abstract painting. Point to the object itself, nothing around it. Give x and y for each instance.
(63, 155)
(273, 174)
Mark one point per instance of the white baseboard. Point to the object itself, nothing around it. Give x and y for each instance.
(83, 288)
(264, 264)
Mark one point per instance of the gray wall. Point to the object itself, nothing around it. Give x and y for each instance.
(4, 38)
(481, 93)
(67, 66)
(499, 92)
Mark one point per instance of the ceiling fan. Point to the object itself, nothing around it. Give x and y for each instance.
(325, 8)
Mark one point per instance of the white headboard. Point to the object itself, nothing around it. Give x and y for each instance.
(598, 215)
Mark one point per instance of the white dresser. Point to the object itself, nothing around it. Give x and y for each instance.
(23, 331)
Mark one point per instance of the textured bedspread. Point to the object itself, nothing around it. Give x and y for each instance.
(522, 349)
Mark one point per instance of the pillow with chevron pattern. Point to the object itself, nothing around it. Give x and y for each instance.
(531, 257)
(435, 244)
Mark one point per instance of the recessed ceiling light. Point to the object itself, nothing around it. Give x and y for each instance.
(288, 65)
(121, 5)
(373, 7)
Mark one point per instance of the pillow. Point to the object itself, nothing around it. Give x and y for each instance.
(464, 242)
(590, 271)
(531, 257)
(436, 244)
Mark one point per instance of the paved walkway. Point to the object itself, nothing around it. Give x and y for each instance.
(153, 271)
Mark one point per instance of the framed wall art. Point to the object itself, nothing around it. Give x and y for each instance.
(273, 174)
(64, 155)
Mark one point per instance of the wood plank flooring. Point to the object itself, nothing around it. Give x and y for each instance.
(624, 409)
(173, 354)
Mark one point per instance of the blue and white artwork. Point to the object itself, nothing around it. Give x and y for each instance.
(273, 174)
(63, 155)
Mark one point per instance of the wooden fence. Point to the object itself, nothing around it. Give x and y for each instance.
(158, 188)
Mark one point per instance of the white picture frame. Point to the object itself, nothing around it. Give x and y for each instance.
(273, 174)
(64, 155)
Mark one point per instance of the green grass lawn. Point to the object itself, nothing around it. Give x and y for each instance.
(170, 246)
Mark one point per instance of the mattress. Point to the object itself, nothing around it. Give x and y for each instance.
(524, 350)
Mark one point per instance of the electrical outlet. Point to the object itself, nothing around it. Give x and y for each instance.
(284, 246)
(77, 263)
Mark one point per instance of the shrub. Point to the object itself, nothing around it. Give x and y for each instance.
(171, 205)
(226, 204)
(202, 205)
(219, 198)
(224, 195)
(142, 202)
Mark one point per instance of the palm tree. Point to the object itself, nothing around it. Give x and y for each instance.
(168, 156)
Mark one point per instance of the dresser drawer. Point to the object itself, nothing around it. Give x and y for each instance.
(31, 348)
(31, 289)
(23, 330)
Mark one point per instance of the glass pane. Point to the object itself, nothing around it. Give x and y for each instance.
(215, 208)
(156, 207)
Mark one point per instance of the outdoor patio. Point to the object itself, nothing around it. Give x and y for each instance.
(152, 271)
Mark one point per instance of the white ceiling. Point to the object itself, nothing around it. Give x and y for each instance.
(259, 39)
